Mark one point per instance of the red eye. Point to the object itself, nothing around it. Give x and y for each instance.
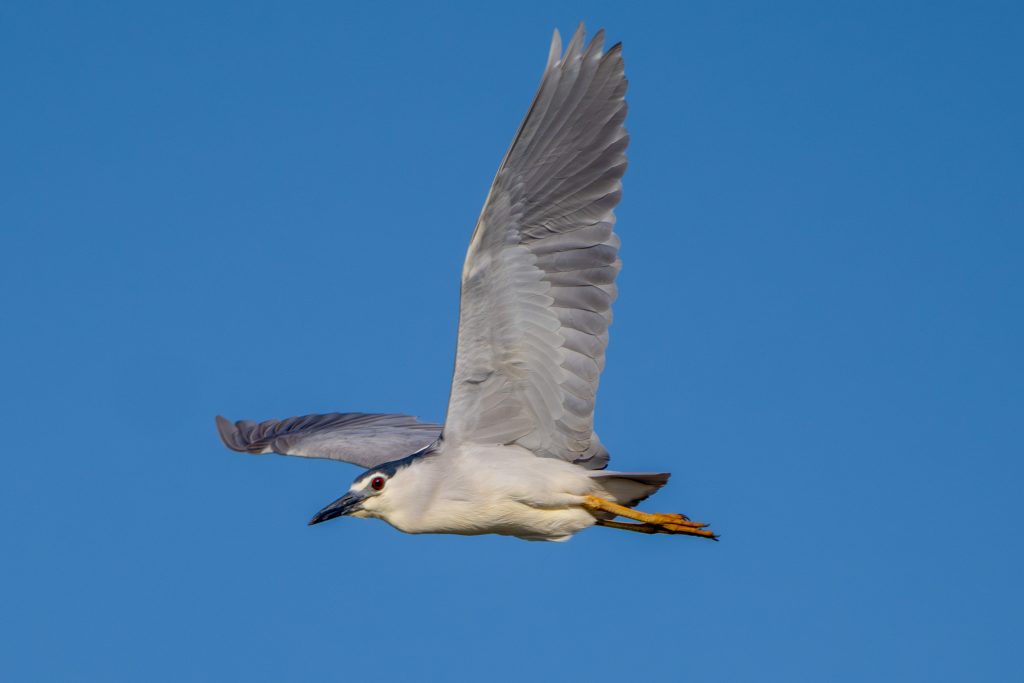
(377, 483)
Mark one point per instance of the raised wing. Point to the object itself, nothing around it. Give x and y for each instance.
(539, 277)
(363, 439)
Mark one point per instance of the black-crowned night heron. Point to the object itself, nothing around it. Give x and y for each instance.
(517, 454)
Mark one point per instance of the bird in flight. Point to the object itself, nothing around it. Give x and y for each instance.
(517, 454)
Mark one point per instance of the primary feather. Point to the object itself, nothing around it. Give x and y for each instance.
(364, 439)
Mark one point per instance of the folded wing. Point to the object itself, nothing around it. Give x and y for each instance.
(539, 278)
(363, 439)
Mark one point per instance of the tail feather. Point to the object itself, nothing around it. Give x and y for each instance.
(630, 488)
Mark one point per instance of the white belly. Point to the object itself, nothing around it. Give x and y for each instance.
(497, 490)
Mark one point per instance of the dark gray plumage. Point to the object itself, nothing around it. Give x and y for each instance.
(363, 439)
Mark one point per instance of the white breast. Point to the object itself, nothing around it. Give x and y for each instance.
(494, 490)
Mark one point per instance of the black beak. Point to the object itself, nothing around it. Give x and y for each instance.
(345, 505)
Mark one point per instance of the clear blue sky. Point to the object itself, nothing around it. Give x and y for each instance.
(261, 210)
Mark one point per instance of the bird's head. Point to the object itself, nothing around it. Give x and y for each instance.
(373, 494)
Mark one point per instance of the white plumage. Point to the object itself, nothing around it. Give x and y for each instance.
(477, 489)
(515, 494)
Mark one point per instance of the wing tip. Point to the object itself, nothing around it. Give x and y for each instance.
(232, 436)
(555, 52)
(576, 44)
(227, 431)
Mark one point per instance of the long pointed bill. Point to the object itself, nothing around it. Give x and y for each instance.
(345, 505)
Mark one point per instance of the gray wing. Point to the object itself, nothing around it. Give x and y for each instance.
(363, 439)
(539, 277)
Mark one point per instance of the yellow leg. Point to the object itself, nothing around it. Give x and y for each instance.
(651, 523)
(626, 526)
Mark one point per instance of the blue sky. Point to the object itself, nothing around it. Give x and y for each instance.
(261, 210)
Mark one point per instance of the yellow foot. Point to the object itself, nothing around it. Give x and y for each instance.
(651, 523)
